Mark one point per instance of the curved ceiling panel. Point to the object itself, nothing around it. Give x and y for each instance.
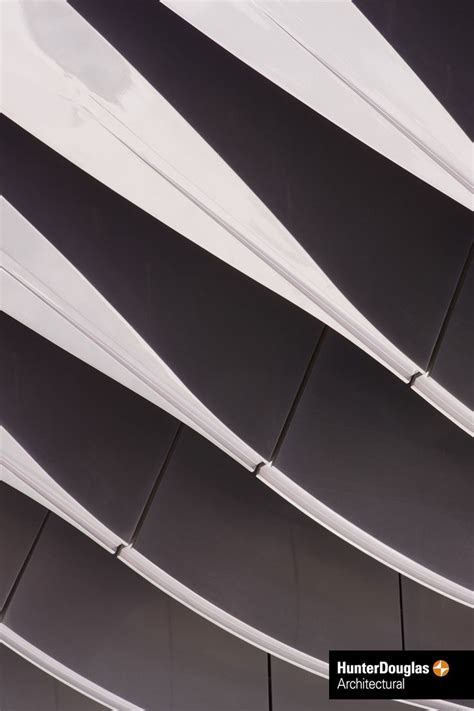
(453, 362)
(394, 246)
(20, 523)
(45, 292)
(436, 43)
(76, 111)
(103, 621)
(24, 686)
(360, 444)
(224, 535)
(106, 609)
(99, 441)
(59, 671)
(294, 689)
(432, 621)
(227, 338)
(312, 50)
(69, 207)
(109, 432)
(262, 584)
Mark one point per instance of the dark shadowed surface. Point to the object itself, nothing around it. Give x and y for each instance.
(224, 534)
(432, 621)
(454, 363)
(20, 521)
(24, 687)
(293, 689)
(101, 442)
(88, 610)
(240, 348)
(435, 38)
(374, 451)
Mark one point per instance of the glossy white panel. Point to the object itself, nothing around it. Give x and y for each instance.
(42, 290)
(330, 57)
(103, 116)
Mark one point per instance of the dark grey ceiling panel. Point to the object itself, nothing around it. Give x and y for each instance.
(393, 245)
(24, 687)
(238, 346)
(20, 521)
(454, 361)
(435, 38)
(101, 442)
(221, 532)
(89, 611)
(432, 621)
(373, 451)
(295, 690)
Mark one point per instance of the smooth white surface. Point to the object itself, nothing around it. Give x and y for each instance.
(337, 524)
(330, 57)
(104, 117)
(447, 404)
(42, 290)
(59, 671)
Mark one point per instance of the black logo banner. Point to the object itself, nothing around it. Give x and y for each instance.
(401, 675)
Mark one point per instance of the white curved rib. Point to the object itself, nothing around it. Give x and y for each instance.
(195, 602)
(171, 172)
(42, 290)
(172, 587)
(22, 472)
(434, 393)
(312, 50)
(59, 671)
(100, 337)
(349, 532)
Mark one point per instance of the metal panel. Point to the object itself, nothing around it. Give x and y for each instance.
(219, 531)
(295, 690)
(370, 449)
(86, 609)
(431, 621)
(239, 347)
(97, 439)
(437, 44)
(392, 244)
(20, 521)
(453, 365)
(24, 687)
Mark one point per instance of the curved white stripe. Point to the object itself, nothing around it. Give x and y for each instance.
(160, 579)
(171, 172)
(40, 288)
(434, 393)
(26, 298)
(59, 671)
(211, 612)
(22, 472)
(349, 532)
(312, 50)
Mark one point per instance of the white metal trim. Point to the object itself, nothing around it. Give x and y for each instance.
(59, 671)
(357, 537)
